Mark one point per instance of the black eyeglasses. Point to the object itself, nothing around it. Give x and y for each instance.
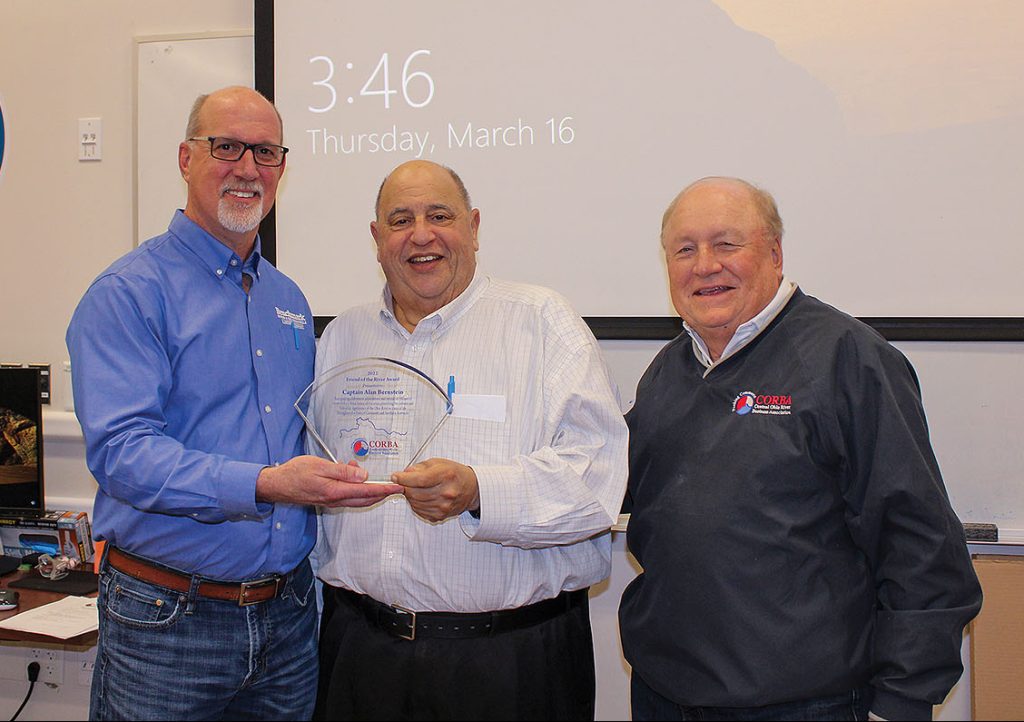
(230, 149)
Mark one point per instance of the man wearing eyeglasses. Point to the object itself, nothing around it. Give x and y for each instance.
(187, 355)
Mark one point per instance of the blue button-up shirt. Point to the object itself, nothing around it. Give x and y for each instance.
(184, 387)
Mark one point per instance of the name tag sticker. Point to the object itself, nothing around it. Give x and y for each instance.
(483, 407)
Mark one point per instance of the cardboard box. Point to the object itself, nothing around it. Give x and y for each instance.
(57, 531)
(997, 640)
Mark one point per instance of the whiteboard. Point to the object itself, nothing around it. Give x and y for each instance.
(171, 71)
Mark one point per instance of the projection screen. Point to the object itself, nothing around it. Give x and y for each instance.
(889, 134)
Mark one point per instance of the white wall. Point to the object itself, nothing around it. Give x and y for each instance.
(62, 221)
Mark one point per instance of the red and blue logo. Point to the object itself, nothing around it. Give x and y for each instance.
(360, 448)
(744, 403)
(749, 402)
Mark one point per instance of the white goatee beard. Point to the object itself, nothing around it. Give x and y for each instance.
(240, 220)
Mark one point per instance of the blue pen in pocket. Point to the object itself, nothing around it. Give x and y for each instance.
(295, 334)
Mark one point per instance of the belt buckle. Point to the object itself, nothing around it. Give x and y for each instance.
(244, 588)
(412, 624)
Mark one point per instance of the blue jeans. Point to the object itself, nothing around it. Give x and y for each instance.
(165, 655)
(647, 704)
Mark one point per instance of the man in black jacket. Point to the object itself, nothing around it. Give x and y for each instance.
(800, 556)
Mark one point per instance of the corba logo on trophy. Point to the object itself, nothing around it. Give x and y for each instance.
(360, 448)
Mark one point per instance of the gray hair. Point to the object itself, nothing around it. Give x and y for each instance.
(763, 201)
(192, 126)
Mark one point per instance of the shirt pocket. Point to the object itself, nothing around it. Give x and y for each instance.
(473, 441)
(295, 349)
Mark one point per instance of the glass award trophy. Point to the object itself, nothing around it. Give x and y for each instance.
(380, 412)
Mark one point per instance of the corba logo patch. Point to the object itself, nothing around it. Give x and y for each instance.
(750, 402)
(744, 403)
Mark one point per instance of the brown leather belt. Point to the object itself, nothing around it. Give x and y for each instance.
(245, 593)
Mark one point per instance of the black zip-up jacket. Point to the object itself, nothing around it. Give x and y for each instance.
(795, 535)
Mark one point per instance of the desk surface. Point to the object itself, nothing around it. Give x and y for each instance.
(30, 599)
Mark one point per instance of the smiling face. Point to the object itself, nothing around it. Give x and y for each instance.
(228, 199)
(724, 264)
(426, 239)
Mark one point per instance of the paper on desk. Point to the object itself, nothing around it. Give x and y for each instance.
(64, 619)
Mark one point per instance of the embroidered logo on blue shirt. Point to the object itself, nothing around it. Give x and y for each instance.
(295, 320)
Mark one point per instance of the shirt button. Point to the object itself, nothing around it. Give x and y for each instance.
(220, 271)
(259, 352)
(391, 555)
(416, 349)
(277, 525)
(267, 408)
(234, 261)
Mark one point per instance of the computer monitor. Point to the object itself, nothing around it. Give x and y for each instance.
(21, 441)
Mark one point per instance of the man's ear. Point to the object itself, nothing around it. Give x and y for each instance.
(776, 255)
(475, 223)
(376, 240)
(184, 159)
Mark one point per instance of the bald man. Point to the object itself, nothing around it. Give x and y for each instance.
(188, 353)
(466, 598)
(800, 556)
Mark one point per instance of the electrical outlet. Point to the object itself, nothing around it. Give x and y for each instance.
(51, 663)
(90, 139)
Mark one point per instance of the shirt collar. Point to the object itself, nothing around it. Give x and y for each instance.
(442, 318)
(216, 256)
(746, 332)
